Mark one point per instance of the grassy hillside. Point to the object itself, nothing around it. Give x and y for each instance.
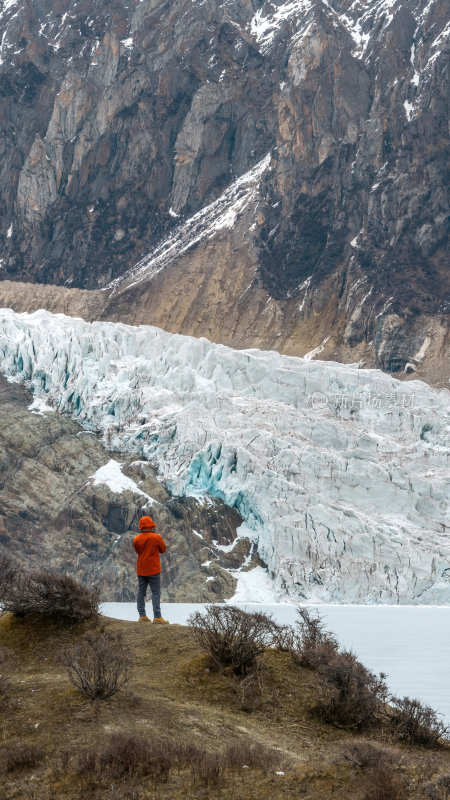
(208, 733)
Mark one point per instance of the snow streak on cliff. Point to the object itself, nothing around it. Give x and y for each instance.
(341, 473)
(201, 226)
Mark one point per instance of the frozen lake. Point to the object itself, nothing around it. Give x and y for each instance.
(411, 644)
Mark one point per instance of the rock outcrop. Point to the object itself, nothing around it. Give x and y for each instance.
(54, 512)
(122, 122)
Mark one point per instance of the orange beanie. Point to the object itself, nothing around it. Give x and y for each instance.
(145, 523)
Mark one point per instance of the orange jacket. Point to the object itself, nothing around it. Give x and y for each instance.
(148, 546)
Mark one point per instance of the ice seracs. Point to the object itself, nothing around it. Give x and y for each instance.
(341, 474)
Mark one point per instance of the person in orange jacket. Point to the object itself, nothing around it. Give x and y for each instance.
(148, 545)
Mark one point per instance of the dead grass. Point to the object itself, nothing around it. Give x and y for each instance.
(5, 668)
(367, 755)
(439, 789)
(383, 784)
(127, 754)
(174, 697)
(20, 756)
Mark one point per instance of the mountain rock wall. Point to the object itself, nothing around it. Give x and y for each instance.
(121, 123)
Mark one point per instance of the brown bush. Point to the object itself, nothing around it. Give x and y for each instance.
(99, 665)
(232, 637)
(209, 768)
(253, 756)
(123, 755)
(131, 754)
(4, 676)
(283, 638)
(354, 696)
(127, 754)
(46, 593)
(439, 789)
(383, 784)
(20, 755)
(250, 690)
(366, 755)
(312, 646)
(415, 722)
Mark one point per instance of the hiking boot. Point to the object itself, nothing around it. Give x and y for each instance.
(144, 619)
(161, 621)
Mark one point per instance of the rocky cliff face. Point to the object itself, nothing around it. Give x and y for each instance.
(53, 511)
(127, 133)
(112, 114)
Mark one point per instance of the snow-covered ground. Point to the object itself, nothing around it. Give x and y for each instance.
(410, 644)
(341, 474)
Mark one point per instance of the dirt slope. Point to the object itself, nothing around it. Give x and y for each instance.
(174, 696)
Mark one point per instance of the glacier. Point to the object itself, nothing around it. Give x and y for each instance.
(340, 473)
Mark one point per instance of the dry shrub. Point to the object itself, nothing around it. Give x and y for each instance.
(312, 645)
(20, 755)
(127, 754)
(354, 696)
(49, 594)
(367, 756)
(209, 768)
(415, 722)
(284, 638)
(232, 637)
(250, 689)
(124, 756)
(253, 756)
(439, 789)
(4, 676)
(99, 665)
(383, 784)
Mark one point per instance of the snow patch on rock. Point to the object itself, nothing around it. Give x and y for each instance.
(111, 475)
(317, 350)
(39, 406)
(264, 26)
(409, 109)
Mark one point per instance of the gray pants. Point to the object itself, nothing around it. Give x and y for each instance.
(154, 581)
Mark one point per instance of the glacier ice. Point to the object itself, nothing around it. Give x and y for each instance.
(341, 474)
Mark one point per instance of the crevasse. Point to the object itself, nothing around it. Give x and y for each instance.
(342, 474)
